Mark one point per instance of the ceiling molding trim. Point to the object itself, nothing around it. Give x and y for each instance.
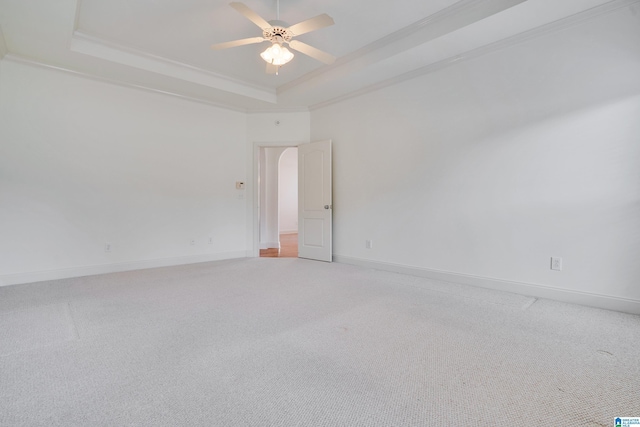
(541, 31)
(447, 20)
(35, 63)
(279, 110)
(94, 46)
(3, 45)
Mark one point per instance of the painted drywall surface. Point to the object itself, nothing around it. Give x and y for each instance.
(288, 191)
(262, 198)
(269, 212)
(278, 127)
(494, 165)
(84, 163)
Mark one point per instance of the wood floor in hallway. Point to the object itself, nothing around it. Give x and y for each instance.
(288, 247)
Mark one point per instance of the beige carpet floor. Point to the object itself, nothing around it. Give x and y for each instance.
(287, 342)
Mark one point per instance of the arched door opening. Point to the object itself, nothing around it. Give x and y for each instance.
(278, 182)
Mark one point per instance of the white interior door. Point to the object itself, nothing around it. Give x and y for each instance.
(314, 201)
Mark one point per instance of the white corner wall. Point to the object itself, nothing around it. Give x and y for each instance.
(481, 172)
(269, 189)
(84, 163)
(288, 191)
(274, 128)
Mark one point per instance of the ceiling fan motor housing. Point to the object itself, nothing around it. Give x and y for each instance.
(278, 32)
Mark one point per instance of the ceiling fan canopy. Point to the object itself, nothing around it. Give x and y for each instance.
(279, 34)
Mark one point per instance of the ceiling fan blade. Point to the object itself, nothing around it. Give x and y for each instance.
(312, 52)
(250, 15)
(271, 69)
(312, 24)
(241, 42)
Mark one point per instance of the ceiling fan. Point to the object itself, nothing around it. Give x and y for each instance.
(280, 33)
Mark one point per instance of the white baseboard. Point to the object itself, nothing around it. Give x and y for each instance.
(90, 270)
(289, 231)
(270, 245)
(538, 291)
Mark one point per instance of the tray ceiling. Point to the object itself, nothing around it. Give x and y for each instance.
(165, 44)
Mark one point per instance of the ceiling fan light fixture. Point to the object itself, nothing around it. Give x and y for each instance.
(277, 55)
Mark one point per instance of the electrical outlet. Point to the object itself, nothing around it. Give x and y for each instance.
(556, 263)
(369, 244)
(193, 242)
(211, 240)
(107, 247)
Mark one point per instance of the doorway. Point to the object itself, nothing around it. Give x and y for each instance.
(278, 206)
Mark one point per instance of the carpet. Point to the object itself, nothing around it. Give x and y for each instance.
(287, 342)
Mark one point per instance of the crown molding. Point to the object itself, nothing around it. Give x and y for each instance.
(514, 40)
(268, 95)
(91, 45)
(279, 110)
(448, 20)
(39, 64)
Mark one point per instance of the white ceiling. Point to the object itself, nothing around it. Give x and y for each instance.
(165, 44)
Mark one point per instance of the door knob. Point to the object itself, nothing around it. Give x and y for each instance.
(327, 206)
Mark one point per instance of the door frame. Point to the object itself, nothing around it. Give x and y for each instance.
(255, 250)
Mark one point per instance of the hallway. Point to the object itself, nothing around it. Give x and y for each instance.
(288, 247)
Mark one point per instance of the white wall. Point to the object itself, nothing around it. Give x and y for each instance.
(278, 127)
(482, 171)
(83, 163)
(288, 191)
(269, 207)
